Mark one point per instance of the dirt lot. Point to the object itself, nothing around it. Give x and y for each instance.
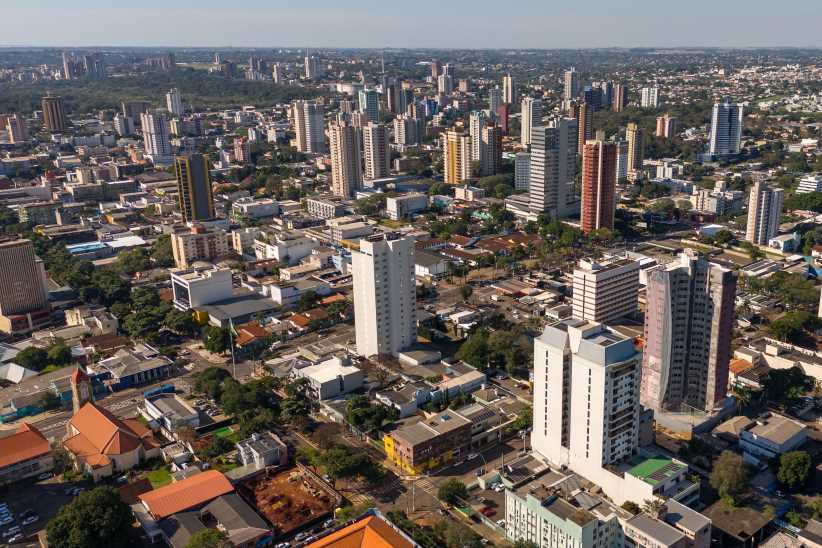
(288, 499)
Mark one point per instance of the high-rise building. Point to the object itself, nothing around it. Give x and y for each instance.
(156, 140)
(54, 113)
(436, 69)
(598, 186)
(502, 117)
(94, 66)
(605, 291)
(620, 98)
(494, 100)
(490, 150)
(277, 73)
(764, 213)
(636, 150)
(194, 188)
(584, 113)
(476, 123)
(607, 94)
(570, 88)
(531, 117)
(242, 150)
(312, 67)
(69, 70)
(377, 151)
(17, 129)
(199, 244)
(123, 125)
(346, 159)
(309, 126)
(666, 126)
(553, 168)
(24, 303)
(726, 128)
(445, 84)
(621, 160)
(649, 97)
(385, 309)
(586, 396)
(369, 102)
(133, 109)
(509, 91)
(689, 317)
(407, 130)
(456, 156)
(522, 170)
(173, 102)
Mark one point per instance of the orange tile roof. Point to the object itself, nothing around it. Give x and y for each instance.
(188, 493)
(107, 434)
(739, 365)
(369, 532)
(26, 443)
(332, 299)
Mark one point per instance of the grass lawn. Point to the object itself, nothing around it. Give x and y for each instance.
(159, 477)
(225, 466)
(228, 434)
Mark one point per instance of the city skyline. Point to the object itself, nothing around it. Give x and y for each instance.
(531, 26)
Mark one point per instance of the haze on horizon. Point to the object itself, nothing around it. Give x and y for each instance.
(421, 24)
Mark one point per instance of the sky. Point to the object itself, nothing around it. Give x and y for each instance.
(412, 23)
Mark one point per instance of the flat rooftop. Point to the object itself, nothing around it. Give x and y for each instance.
(656, 470)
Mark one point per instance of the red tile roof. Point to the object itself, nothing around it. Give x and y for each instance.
(369, 532)
(99, 433)
(187, 493)
(26, 443)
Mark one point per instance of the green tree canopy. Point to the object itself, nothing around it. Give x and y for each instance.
(452, 491)
(208, 538)
(794, 469)
(32, 358)
(95, 519)
(729, 476)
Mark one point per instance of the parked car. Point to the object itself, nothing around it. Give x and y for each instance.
(31, 519)
(11, 531)
(472, 456)
(45, 476)
(6, 520)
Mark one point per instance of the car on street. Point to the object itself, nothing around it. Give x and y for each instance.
(472, 456)
(11, 531)
(45, 476)
(6, 520)
(501, 523)
(33, 518)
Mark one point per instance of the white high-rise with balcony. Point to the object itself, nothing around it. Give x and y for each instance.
(385, 298)
(173, 102)
(156, 140)
(531, 117)
(726, 128)
(764, 213)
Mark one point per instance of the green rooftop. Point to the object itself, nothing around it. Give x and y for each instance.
(656, 470)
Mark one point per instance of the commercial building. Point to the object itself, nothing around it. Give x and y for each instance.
(54, 113)
(284, 246)
(764, 213)
(727, 119)
(384, 295)
(331, 378)
(457, 156)
(308, 118)
(199, 244)
(531, 117)
(553, 169)
(400, 207)
(346, 159)
(255, 208)
(263, 449)
(522, 170)
(130, 367)
(369, 103)
(156, 141)
(771, 436)
(195, 287)
(24, 304)
(636, 150)
(809, 183)
(171, 412)
(377, 151)
(24, 454)
(607, 290)
(325, 207)
(598, 186)
(649, 97)
(428, 444)
(689, 318)
(194, 188)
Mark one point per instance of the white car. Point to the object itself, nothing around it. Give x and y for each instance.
(472, 456)
(31, 519)
(16, 538)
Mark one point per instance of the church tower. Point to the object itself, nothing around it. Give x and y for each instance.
(80, 389)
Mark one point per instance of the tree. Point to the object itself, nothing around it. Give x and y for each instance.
(466, 291)
(460, 535)
(180, 322)
(475, 349)
(309, 299)
(451, 491)
(631, 507)
(161, 252)
(32, 358)
(132, 261)
(794, 469)
(59, 353)
(95, 519)
(529, 543)
(216, 339)
(653, 507)
(729, 476)
(208, 538)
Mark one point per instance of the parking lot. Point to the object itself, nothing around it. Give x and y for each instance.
(35, 502)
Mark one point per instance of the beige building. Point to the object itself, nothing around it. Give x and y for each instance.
(308, 118)
(199, 244)
(636, 150)
(24, 303)
(54, 113)
(606, 290)
(346, 159)
(456, 156)
(377, 151)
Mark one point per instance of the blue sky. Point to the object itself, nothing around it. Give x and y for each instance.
(413, 23)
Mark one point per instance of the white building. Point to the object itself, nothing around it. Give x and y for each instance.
(649, 97)
(770, 437)
(622, 160)
(377, 151)
(400, 207)
(810, 183)
(173, 102)
(308, 118)
(197, 287)
(764, 213)
(259, 208)
(384, 295)
(331, 378)
(531, 117)
(156, 141)
(476, 123)
(553, 169)
(509, 91)
(285, 247)
(606, 290)
(262, 449)
(726, 128)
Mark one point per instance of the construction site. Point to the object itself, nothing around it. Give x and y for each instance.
(290, 499)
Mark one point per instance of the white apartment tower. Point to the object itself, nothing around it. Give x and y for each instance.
(726, 128)
(586, 396)
(385, 309)
(156, 140)
(346, 159)
(649, 97)
(309, 125)
(606, 290)
(174, 103)
(494, 100)
(377, 151)
(509, 92)
(477, 122)
(553, 168)
(764, 213)
(531, 117)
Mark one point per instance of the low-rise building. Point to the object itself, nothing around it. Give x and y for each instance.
(24, 454)
(469, 193)
(332, 378)
(771, 436)
(325, 207)
(261, 450)
(130, 367)
(287, 247)
(400, 207)
(255, 208)
(96, 319)
(429, 443)
(194, 287)
(172, 413)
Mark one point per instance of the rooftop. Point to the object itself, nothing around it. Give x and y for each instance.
(25, 443)
(370, 531)
(662, 533)
(656, 470)
(188, 493)
(777, 428)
